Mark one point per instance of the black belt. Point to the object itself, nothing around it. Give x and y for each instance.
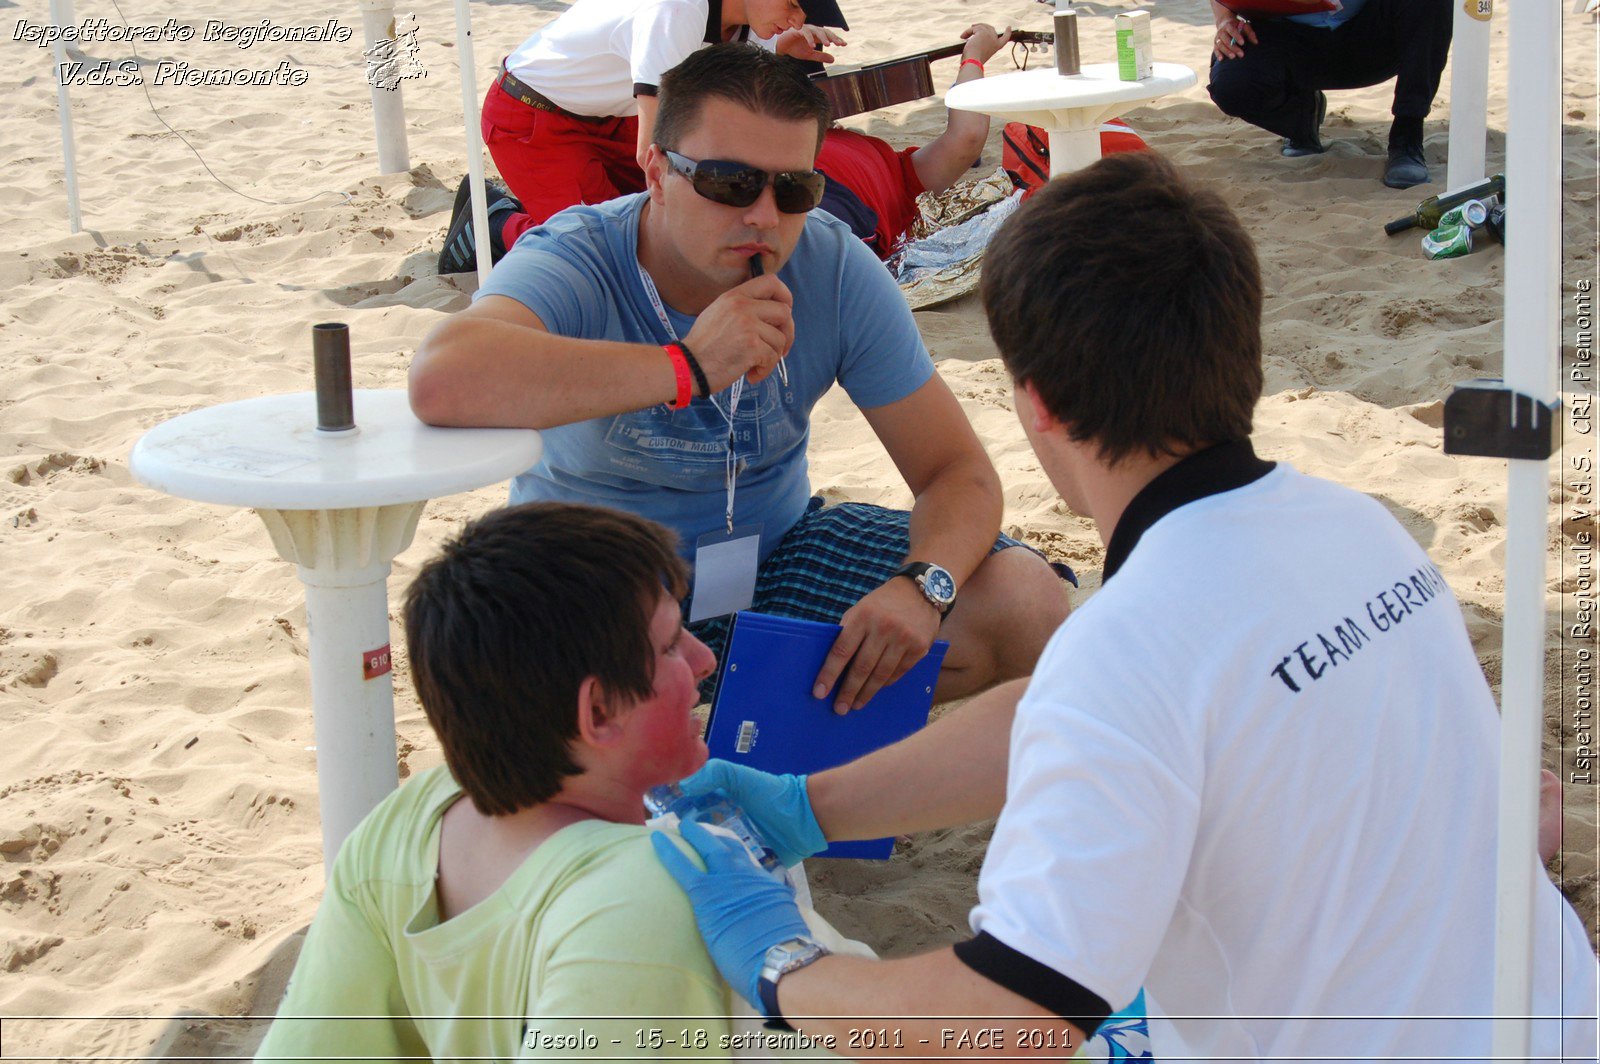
(526, 94)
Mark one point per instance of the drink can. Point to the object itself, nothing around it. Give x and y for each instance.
(1471, 214)
(1448, 242)
(1496, 225)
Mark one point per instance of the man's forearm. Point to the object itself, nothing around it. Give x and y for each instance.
(946, 158)
(931, 1005)
(952, 772)
(956, 517)
(968, 128)
(488, 373)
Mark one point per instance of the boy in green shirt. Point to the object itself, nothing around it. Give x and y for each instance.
(505, 904)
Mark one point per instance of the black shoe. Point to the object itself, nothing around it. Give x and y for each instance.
(1406, 166)
(460, 254)
(1296, 147)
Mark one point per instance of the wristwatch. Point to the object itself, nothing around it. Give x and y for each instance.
(937, 585)
(788, 956)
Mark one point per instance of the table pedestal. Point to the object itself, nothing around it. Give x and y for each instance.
(341, 506)
(344, 558)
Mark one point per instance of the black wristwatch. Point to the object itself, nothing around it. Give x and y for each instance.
(937, 585)
(788, 956)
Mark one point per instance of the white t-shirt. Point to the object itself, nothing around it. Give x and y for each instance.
(599, 54)
(1257, 773)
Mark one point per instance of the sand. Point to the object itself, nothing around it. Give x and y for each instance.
(158, 800)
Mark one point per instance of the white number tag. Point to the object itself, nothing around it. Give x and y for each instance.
(725, 566)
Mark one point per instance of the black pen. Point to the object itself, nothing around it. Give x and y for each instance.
(756, 270)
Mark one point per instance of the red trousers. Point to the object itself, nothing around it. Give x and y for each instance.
(551, 161)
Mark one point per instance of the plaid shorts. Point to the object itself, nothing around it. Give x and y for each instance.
(824, 565)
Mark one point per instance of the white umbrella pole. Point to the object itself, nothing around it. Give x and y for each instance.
(61, 15)
(470, 117)
(388, 105)
(1532, 314)
(1469, 92)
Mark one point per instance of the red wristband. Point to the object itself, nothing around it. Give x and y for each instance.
(680, 372)
(975, 62)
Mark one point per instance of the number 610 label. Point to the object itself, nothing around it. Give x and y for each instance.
(374, 663)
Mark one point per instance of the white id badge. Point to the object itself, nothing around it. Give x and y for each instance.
(725, 566)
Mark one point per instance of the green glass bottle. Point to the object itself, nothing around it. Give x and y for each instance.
(1430, 210)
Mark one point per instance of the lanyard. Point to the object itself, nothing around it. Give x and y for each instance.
(730, 464)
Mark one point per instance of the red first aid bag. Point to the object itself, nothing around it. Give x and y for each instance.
(1025, 150)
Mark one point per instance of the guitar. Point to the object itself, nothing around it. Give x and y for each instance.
(897, 80)
(1250, 9)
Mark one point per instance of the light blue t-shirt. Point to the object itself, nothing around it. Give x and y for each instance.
(1331, 19)
(580, 274)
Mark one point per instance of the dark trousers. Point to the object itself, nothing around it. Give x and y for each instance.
(1274, 84)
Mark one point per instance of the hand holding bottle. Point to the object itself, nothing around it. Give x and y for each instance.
(777, 807)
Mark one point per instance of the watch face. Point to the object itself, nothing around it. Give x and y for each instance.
(789, 951)
(939, 584)
(783, 957)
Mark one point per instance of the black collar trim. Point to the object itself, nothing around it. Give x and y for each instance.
(1212, 471)
(714, 23)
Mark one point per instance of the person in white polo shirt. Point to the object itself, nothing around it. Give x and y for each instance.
(571, 115)
(1255, 773)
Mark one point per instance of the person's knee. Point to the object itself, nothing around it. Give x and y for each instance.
(1015, 602)
(1234, 93)
(1417, 13)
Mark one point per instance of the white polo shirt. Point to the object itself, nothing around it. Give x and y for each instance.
(1256, 774)
(599, 54)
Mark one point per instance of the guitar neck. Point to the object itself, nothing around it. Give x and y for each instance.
(1017, 37)
(894, 81)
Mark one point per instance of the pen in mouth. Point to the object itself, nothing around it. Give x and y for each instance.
(756, 270)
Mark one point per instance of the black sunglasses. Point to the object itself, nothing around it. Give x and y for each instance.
(738, 185)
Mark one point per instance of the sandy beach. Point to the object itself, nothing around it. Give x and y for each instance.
(158, 797)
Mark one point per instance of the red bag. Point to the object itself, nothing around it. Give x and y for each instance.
(1025, 150)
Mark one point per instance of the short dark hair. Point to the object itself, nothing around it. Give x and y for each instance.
(752, 77)
(511, 617)
(1130, 298)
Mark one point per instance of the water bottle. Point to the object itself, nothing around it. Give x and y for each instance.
(714, 809)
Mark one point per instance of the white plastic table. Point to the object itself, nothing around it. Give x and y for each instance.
(1069, 108)
(341, 505)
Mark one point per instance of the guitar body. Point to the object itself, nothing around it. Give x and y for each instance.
(895, 80)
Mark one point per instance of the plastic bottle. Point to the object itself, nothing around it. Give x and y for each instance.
(714, 810)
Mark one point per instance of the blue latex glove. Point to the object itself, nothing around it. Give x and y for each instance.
(742, 911)
(778, 807)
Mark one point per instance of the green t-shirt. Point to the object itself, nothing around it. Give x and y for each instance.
(589, 926)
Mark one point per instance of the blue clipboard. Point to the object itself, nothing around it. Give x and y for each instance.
(764, 715)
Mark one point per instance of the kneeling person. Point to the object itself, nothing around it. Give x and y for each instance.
(1260, 787)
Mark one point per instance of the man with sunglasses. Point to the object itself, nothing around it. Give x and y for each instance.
(672, 346)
